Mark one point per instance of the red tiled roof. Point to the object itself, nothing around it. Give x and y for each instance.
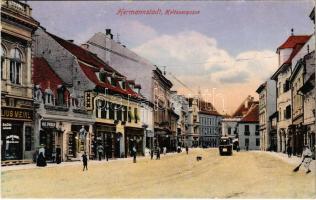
(252, 115)
(293, 40)
(207, 108)
(83, 54)
(90, 73)
(44, 75)
(242, 109)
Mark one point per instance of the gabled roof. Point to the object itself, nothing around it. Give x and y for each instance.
(261, 87)
(86, 58)
(293, 40)
(242, 109)
(252, 115)
(207, 108)
(44, 75)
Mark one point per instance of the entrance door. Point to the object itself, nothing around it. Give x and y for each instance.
(12, 141)
(47, 138)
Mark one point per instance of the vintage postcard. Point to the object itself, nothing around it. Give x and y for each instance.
(158, 99)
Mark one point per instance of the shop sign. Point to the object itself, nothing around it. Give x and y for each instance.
(12, 139)
(6, 126)
(16, 113)
(48, 124)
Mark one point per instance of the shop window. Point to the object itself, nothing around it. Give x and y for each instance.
(15, 66)
(3, 54)
(28, 138)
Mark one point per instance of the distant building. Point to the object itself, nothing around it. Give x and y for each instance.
(230, 124)
(248, 129)
(17, 125)
(267, 106)
(192, 136)
(210, 124)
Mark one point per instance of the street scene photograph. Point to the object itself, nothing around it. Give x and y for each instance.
(158, 99)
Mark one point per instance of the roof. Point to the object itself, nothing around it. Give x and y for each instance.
(87, 57)
(44, 75)
(207, 108)
(83, 54)
(252, 115)
(242, 109)
(293, 40)
(261, 87)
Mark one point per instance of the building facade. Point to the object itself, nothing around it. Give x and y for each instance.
(267, 106)
(248, 129)
(17, 114)
(286, 53)
(210, 125)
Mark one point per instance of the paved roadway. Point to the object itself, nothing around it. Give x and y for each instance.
(244, 175)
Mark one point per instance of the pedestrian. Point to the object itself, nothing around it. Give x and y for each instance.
(85, 161)
(164, 150)
(289, 151)
(134, 151)
(100, 151)
(58, 155)
(307, 158)
(238, 148)
(187, 149)
(158, 153)
(247, 147)
(151, 154)
(41, 162)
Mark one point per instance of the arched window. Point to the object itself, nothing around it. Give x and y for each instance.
(3, 68)
(15, 66)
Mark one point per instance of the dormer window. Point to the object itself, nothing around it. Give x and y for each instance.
(122, 84)
(101, 75)
(109, 79)
(49, 97)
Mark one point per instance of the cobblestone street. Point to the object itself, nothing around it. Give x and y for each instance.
(244, 175)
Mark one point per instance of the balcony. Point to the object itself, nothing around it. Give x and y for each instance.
(17, 7)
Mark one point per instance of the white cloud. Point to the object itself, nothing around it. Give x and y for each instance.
(196, 60)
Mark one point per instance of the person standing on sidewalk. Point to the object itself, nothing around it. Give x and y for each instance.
(151, 154)
(100, 151)
(164, 150)
(85, 161)
(158, 153)
(289, 151)
(187, 149)
(307, 158)
(134, 151)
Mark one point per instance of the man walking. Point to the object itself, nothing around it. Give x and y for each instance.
(85, 161)
(134, 151)
(307, 158)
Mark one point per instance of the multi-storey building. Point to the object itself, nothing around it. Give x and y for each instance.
(155, 86)
(210, 125)
(248, 129)
(286, 53)
(180, 105)
(192, 135)
(230, 124)
(17, 130)
(267, 106)
(104, 105)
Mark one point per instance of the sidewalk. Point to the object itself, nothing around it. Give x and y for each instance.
(62, 164)
(293, 160)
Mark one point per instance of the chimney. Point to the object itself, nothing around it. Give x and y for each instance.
(108, 32)
(292, 31)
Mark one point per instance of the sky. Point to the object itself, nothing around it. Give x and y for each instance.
(225, 52)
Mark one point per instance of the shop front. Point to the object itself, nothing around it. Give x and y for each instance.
(17, 139)
(78, 141)
(109, 139)
(134, 137)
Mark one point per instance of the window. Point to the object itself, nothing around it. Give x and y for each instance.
(136, 115)
(229, 130)
(286, 86)
(247, 130)
(287, 112)
(111, 110)
(257, 141)
(257, 130)
(3, 53)
(15, 66)
(247, 142)
(60, 96)
(28, 138)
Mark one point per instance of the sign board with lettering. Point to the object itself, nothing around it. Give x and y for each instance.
(16, 114)
(48, 124)
(6, 126)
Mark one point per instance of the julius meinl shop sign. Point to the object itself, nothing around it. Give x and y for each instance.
(16, 114)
